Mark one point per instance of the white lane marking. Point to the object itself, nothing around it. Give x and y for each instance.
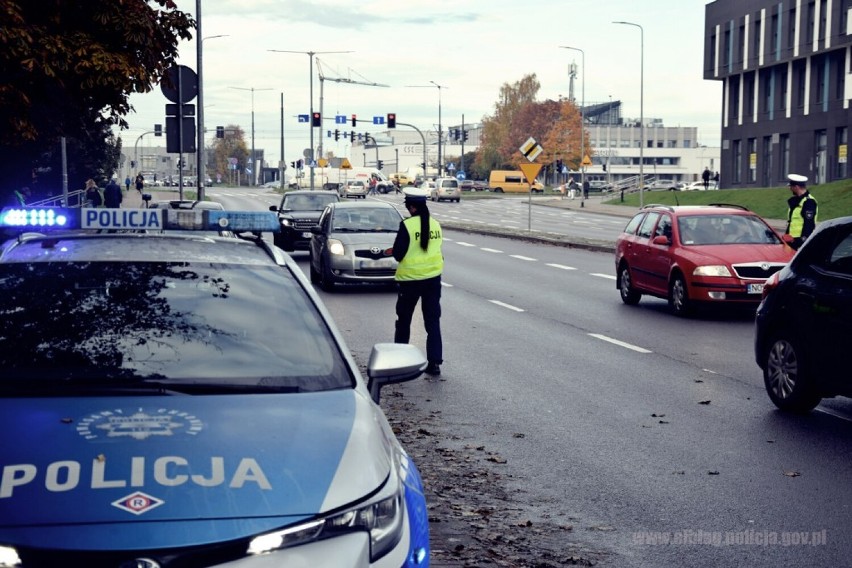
(508, 306)
(620, 343)
(521, 257)
(464, 244)
(491, 250)
(607, 276)
(562, 266)
(446, 285)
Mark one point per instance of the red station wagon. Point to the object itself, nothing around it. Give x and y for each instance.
(697, 255)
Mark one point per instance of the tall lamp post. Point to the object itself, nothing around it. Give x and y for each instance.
(252, 89)
(641, 109)
(582, 122)
(201, 158)
(310, 55)
(440, 135)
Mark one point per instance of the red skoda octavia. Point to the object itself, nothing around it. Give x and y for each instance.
(697, 255)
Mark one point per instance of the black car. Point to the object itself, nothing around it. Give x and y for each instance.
(804, 323)
(298, 213)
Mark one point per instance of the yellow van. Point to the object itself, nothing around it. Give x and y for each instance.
(512, 181)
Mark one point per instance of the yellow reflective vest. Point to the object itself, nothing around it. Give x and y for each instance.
(796, 220)
(419, 264)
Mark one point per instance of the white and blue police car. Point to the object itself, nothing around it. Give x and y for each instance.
(176, 400)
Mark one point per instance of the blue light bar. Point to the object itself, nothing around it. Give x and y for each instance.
(45, 218)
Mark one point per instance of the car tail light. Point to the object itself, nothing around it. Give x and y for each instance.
(770, 284)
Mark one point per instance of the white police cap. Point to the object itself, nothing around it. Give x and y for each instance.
(415, 194)
(796, 179)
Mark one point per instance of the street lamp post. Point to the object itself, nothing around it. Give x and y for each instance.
(252, 89)
(582, 123)
(201, 159)
(440, 135)
(310, 55)
(641, 109)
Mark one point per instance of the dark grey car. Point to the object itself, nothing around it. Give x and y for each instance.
(298, 213)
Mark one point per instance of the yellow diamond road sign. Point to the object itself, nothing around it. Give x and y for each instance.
(530, 149)
(322, 162)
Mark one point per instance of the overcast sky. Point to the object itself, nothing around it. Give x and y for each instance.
(469, 47)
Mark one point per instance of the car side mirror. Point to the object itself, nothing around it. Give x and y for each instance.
(661, 240)
(273, 208)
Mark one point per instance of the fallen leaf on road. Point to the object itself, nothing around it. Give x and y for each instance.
(792, 473)
(704, 402)
(655, 415)
(713, 473)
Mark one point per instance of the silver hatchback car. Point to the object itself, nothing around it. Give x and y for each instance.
(446, 188)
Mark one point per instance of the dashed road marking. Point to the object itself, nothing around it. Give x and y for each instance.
(607, 276)
(619, 343)
(507, 306)
(561, 266)
(521, 257)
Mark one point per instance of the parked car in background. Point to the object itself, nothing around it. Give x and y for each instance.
(481, 185)
(445, 189)
(698, 186)
(697, 255)
(664, 184)
(298, 213)
(354, 243)
(467, 185)
(803, 326)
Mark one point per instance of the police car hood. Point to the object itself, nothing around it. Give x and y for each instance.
(95, 471)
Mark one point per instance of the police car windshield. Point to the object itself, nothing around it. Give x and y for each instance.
(201, 323)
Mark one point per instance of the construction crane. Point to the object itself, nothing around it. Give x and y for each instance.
(323, 78)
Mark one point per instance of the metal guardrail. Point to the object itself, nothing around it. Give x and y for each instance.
(75, 199)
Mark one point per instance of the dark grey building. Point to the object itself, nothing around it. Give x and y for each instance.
(785, 67)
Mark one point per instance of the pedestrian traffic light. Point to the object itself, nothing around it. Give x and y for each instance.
(354, 121)
(158, 130)
(316, 119)
(337, 134)
(379, 164)
(464, 135)
(220, 132)
(391, 120)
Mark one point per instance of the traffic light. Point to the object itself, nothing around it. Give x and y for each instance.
(337, 134)
(354, 121)
(604, 166)
(423, 165)
(352, 136)
(391, 120)
(316, 119)
(220, 132)
(465, 134)
(158, 130)
(379, 164)
(293, 165)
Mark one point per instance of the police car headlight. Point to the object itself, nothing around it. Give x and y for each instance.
(383, 519)
(286, 222)
(9, 557)
(335, 247)
(712, 270)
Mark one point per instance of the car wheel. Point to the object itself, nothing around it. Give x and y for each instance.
(786, 378)
(326, 278)
(498, 190)
(315, 276)
(679, 301)
(628, 295)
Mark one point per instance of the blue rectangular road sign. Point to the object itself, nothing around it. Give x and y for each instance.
(303, 118)
(339, 119)
(378, 120)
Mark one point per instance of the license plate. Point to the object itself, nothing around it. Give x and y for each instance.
(306, 235)
(380, 263)
(755, 288)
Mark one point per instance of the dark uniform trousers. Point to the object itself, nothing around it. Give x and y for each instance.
(429, 293)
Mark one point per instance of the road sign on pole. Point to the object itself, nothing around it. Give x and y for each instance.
(530, 149)
(530, 171)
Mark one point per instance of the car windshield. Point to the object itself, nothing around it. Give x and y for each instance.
(304, 202)
(725, 229)
(122, 323)
(366, 220)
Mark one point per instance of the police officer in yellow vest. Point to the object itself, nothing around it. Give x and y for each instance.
(802, 218)
(418, 249)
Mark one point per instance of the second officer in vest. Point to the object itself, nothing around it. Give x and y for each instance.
(802, 218)
(418, 249)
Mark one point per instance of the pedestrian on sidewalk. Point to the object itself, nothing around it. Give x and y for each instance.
(140, 182)
(127, 183)
(93, 193)
(112, 194)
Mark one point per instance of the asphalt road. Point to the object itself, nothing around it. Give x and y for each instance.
(650, 434)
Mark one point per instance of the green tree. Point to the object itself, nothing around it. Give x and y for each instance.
(233, 145)
(68, 68)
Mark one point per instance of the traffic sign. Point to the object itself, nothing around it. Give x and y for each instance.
(322, 162)
(460, 176)
(339, 119)
(378, 120)
(451, 166)
(587, 161)
(345, 165)
(304, 118)
(530, 171)
(530, 149)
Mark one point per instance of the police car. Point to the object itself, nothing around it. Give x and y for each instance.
(174, 400)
